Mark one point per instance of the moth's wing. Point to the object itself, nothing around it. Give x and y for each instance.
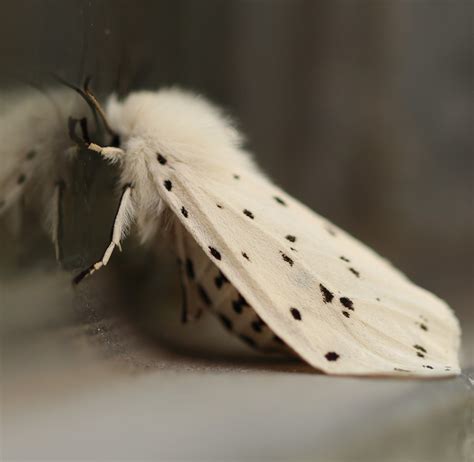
(339, 305)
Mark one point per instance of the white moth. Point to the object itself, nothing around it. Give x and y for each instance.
(276, 274)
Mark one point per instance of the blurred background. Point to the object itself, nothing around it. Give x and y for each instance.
(362, 109)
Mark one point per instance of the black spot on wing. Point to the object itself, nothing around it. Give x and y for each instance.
(355, 272)
(215, 253)
(427, 366)
(204, 295)
(420, 348)
(258, 325)
(249, 214)
(295, 313)
(184, 212)
(347, 302)
(423, 327)
(225, 321)
(331, 231)
(219, 206)
(279, 200)
(21, 179)
(331, 356)
(344, 259)
(190, 269)
(286, 258)
(245, 256)
(220, 280)
(327, 294)
(236, 177)
(248, 340)
(162, 160)
(277, 339)
(31, 155)
(168, 185)
(421, 355)
(290, 238)
(239, 304)
(346, 314)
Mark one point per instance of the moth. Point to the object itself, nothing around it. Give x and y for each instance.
(276, 274)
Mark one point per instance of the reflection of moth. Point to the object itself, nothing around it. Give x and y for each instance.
(33, 153)
(276, 274)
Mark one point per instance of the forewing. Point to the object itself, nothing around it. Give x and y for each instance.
(339, 305)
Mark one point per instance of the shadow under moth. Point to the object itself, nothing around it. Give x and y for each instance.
(277, 275)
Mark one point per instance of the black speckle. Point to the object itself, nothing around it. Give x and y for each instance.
(204, 295)
(226, 321)
(239, 304)
(346, 314)
(248, 340)
(419, 347)
(327, 294)
(219, 206)
(423, 327)
(344, 259)
(421, 355)
(331, 231)
(278, 340)
(290, 238)
(294, 250)
(189, 268)
(249, 214)
(296, 313)
(378, 299)
(257, 325)
(161, 159)
(21, 179)
(400, 370)
(331, 356)
(287, 258)
(279, 200)
(215, 253)
(354, 271)
(220, 280)
(184, 212)
(236, 177)
(31, 155)
(168, 185)
(427, 366)
(245, 256)
(347, 302)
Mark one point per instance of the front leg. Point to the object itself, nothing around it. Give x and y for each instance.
(122, 221)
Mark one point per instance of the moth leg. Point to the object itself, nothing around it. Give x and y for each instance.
(57, 218)
(121, 224)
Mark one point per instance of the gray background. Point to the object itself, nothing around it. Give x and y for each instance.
(361, 109)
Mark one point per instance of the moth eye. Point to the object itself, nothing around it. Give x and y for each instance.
(327, 294)
(21, 179)
(279, 200)
(249, 214)
(331, 356)
(295, 313)
(162, 160)
(168, 185)
(290, 238)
